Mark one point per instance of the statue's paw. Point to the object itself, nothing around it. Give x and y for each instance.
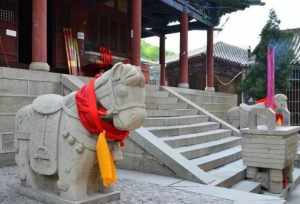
(62, 186)
(21, 175)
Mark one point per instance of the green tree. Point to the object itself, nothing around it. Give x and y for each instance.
(151, 52)
(271, 36)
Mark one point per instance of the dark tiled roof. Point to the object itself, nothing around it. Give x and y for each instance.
(222, 51)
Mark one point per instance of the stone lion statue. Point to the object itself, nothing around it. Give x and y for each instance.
(55, 152)
(244, 116)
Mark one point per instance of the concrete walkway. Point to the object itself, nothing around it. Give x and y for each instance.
(140, 188)
(227, 195)
(294, 197)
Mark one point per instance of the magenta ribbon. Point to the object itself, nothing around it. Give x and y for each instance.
(270, 77)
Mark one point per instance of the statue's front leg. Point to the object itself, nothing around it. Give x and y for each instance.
(76, 164)
(286, 117)
(25, 173)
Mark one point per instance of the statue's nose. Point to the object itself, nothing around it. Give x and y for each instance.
(140, 116)
(130, 120)
(137, 118)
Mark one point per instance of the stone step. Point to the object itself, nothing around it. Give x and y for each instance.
(170, 131)
(230, 174)
(177, 120)
(6, 142)
(152, 88)
(208, 98)
(161, 100)
(171, 113)
(248, 186)
(177, 105)
(220, 114)
(12, 103)
(218, 159)
(198, 138)
(7, 121)
(162, 94)
(200, 150)
(7, 159)
(216, 107)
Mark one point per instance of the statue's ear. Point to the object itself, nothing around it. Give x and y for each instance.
(135, 77)
(117, 71)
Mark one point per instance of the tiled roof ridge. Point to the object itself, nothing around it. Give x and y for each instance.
(222, 50)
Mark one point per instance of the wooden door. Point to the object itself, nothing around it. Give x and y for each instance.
(8, 32)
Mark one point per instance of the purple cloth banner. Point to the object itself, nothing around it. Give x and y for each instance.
(270, 77)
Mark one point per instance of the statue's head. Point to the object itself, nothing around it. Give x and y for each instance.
(280, 101)
(122, 92)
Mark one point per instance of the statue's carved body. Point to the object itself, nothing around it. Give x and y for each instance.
(55, 153)
(250, 116)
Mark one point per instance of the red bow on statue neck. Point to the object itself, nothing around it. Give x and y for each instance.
(91, 116)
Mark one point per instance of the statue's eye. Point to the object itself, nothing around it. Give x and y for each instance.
(122, 91)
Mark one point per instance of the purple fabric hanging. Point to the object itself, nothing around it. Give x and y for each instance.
(270, 77)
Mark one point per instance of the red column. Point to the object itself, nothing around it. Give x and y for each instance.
(210, 60)
(136, 31)
(39, 36)
(184, 72)
(162, 59)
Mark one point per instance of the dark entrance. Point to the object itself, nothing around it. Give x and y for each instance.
(25, 30)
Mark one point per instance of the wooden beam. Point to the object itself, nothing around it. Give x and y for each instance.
(172, 29)
(184, 6)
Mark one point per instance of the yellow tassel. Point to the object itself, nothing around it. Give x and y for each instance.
(105, 161)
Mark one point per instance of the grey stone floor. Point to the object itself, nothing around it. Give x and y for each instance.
(132, 192)
(294, 198)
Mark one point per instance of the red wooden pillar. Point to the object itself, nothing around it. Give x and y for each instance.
(210, 60)
(184, 72)
(162, 59)
(136, 31)
(39, 36)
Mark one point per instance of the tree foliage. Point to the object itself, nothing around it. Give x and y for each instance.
(151, 52)
(255, 83)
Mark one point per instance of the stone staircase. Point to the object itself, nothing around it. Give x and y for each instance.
(10, 103)
(19, 88)
(204, 143)
(192, 144)
(214, 102)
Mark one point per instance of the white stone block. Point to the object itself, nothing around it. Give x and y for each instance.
(276, 187)
(251, 172)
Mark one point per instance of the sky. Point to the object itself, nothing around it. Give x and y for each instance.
(241, 28)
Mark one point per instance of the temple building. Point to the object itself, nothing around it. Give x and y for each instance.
(229, 63)
(32, 32)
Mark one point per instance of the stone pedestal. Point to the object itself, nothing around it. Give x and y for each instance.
(210, 89)
(269, 156)
(39, 66)
(48, 198)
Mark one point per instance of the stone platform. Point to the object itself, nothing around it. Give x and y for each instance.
(47, 198)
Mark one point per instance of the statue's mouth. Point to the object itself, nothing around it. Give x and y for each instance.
(108, 118)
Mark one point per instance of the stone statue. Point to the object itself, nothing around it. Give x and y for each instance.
(56, 154)
(250, 116)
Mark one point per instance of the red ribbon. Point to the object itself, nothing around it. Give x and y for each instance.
(91, 116)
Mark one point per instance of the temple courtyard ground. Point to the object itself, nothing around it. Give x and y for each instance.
(140, 188)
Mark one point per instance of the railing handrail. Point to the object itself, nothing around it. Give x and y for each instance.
(202, 110)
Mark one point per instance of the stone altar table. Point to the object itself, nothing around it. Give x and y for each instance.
(269, 155)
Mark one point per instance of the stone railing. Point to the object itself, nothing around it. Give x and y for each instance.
(212, 117)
